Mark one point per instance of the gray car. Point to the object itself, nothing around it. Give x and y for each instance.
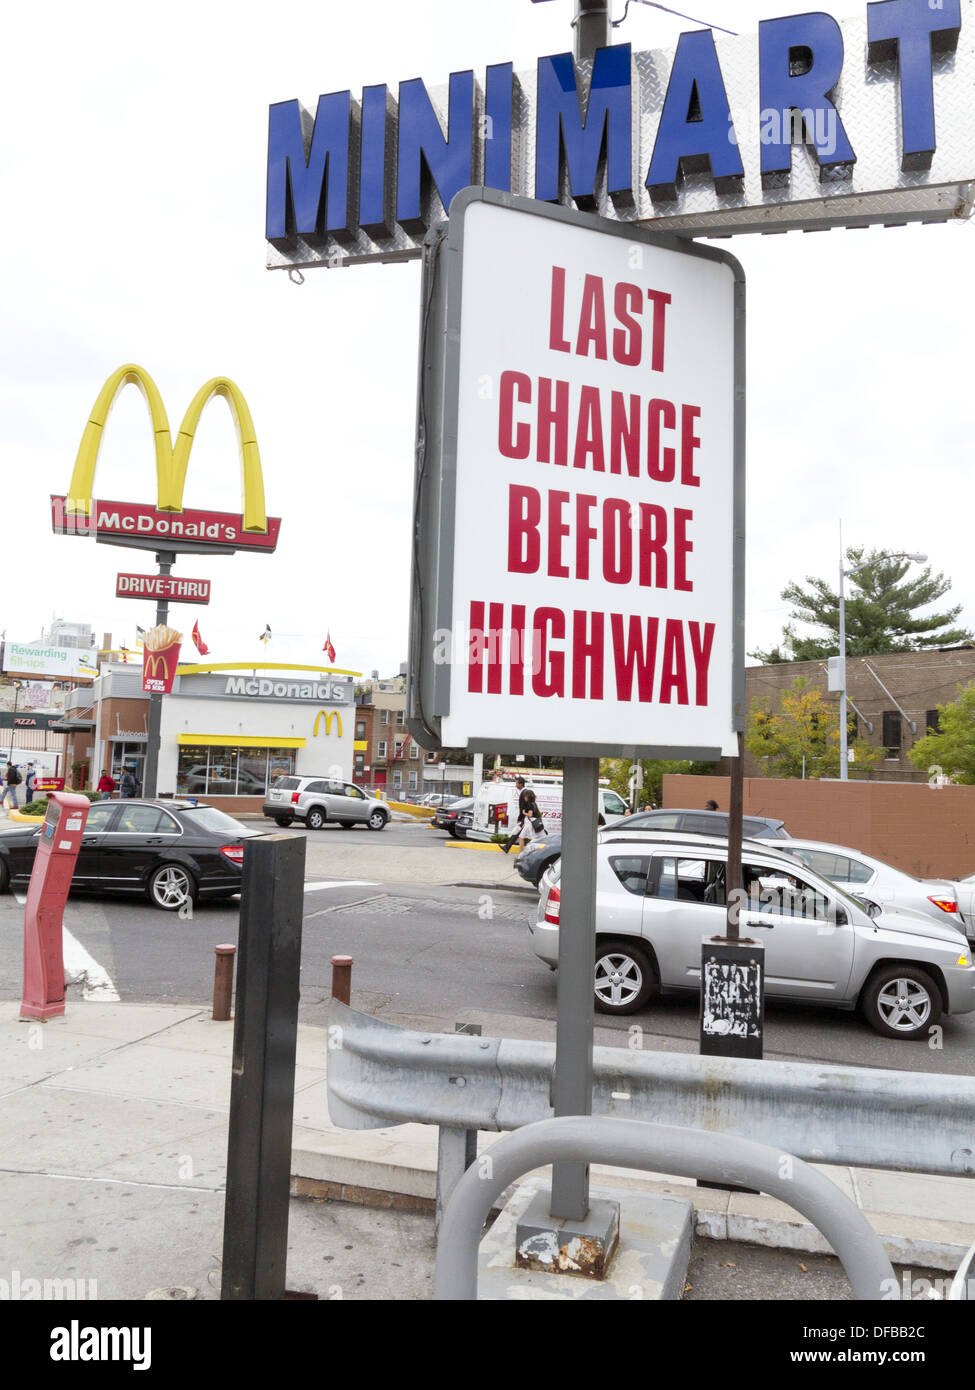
(317, 800)
(657, 899)
(865, 877)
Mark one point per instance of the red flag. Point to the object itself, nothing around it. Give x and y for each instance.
(328, 648)
(198, 641)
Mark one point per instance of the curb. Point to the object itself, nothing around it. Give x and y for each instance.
(475, 844)
(28, 820)
(926, 1242)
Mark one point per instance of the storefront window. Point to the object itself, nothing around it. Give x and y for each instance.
(209, 770)
(252, 772)
(191, 775)
(222, 780)
(281, 763)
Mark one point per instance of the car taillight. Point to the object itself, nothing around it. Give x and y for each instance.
(294, 798)
(235, 853)
(553, 907)
(946, 904)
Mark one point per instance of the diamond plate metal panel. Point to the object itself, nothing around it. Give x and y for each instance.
(867, 98)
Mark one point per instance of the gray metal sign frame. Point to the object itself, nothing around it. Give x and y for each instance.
(434, 489)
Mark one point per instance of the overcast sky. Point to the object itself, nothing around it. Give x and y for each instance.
(134, 177)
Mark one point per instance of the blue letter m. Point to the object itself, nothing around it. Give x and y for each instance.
(561, 128)
(308, 172)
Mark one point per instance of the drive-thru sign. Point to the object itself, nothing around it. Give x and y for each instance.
(578, 568)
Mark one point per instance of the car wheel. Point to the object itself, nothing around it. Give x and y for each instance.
(377, 821)
(624, 978)
(171, 886)
(4, 877)
(283, 821)
(902, 1001)
(451, 831)
(315, 818)
(347, 824)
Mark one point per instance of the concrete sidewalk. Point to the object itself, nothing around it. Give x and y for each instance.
(114, 1134)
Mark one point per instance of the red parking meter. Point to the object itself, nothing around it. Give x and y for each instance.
(54, 864)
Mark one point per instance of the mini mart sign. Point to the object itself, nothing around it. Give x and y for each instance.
(809, 123)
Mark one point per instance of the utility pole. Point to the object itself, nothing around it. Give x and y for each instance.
(150, 773)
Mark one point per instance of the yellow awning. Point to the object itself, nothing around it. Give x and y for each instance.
(240, 741)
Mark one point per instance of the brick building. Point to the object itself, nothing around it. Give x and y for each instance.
(387, 758)
(893, 699)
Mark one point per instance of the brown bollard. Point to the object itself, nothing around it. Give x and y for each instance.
(223, 981)
(342, 979)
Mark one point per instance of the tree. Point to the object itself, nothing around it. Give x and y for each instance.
(882, 612)
(802, 737)
(618, 771)
(951, 750)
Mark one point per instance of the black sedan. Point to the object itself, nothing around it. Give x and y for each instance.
(175, 852)
(446, 817)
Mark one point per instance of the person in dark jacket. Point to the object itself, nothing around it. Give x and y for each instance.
(527, 813)
(12, 781)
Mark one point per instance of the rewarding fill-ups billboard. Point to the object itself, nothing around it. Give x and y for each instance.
(579, 500)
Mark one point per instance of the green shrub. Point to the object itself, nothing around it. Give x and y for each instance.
(34, 808)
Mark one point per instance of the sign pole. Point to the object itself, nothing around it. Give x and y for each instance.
(572, 1083)
(164, 559)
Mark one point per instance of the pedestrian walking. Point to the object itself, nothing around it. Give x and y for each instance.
(11, 783)
(128, 787)
(106, 785)
(527, 816)
(29, 779)
(710, 805)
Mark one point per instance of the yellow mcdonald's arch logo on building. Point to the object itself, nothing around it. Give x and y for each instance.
(155, 665)
(171, 462)
(329, 716)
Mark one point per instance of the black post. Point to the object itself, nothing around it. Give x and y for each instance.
(255, 1232)
(165, 560)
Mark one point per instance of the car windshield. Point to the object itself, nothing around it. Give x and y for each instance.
(209, 818)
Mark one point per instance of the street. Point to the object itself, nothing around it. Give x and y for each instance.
(437, 939)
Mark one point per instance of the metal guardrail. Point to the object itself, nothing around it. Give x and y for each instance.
(660, 1148)
(379, 1075)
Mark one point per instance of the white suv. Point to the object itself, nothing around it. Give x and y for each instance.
(317, 800)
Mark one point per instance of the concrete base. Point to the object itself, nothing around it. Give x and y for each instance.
(558, 1245)
(651, 1260)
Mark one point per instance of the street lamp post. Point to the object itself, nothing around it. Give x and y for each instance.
(846, 574)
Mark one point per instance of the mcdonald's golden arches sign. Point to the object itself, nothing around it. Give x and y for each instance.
(168, 525)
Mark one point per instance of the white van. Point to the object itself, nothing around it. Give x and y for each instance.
(496, 807)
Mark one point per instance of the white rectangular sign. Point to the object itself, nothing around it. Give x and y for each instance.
(591, 580)
(57, 663)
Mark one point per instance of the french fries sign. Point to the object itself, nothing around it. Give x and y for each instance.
(581, 495)
(160, 657)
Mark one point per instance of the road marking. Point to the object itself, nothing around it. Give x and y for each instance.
(79, 965)
(19, 899)
(339, 883)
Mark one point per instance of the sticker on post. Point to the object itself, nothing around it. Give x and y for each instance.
(65, 844)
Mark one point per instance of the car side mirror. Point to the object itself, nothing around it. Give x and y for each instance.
(871, 908)
(838, 915)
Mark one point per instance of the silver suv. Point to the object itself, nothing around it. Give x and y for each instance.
(316, 800)
(658, 897)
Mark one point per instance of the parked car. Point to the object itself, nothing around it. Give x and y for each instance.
(964, 890)
(173, 851)
(317, 800)
(438, 799)
(538, 855)
(544, 851)
(703, 823)
(448, 817)
(872, 879)
(657, 899)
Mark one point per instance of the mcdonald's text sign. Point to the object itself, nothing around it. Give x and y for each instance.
(168, 525)
(145, 527)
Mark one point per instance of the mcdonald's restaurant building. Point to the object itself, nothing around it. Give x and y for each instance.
(227, 733)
